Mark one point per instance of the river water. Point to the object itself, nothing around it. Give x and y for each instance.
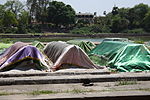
(142, 38)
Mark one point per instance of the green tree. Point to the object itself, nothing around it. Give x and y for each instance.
(102, 24)
(9, 22)
(23, 18)
(14, 6)
(60, 14)
(123, 12)
(23, 22)
(119, 24)
(115, 10)
(9, 19)
(2, 11)
(146, 22)
(137, 14)
(38, 10)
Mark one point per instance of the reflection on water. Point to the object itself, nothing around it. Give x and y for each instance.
(71, 38)
(142, 38)
(93, 40)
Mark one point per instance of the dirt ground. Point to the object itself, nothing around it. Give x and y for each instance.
(18, 92)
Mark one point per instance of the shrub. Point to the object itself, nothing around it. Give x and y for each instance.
(91, 29)
(10, 30)
(35, 28)
(83, 30)
(22, 30)
(139, 30)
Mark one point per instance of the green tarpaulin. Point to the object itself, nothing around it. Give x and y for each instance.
(125, 57)
(38, 45)
(84, 45)
(148, 45)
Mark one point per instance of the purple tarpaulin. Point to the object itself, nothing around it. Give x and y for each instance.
(23, 53)
(10, 51)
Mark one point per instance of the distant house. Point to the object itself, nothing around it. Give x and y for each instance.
(87, 17)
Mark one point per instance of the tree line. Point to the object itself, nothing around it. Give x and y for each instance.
(37, 16)
(119, 20)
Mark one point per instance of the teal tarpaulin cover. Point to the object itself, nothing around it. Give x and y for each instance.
(87, 46)
(125, 57)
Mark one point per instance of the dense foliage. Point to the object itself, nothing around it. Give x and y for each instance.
(53, 16)
(120, 20)
(35, 16)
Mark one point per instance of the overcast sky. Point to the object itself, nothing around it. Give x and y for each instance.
(98, 6)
